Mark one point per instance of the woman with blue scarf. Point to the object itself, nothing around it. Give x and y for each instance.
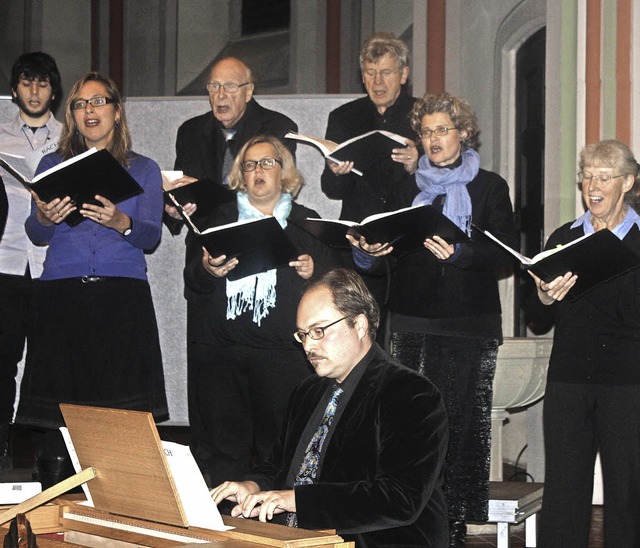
(445, 309)
(250, 360)
(592, 398)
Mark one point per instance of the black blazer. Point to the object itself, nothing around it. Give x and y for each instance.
(200, 143)
(381, 477)
(386, 186)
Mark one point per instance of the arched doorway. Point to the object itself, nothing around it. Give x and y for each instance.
(529, 180)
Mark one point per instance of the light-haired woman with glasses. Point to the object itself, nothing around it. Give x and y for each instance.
(592, 398)
(246, 337)
(95, 338)
(445, 310)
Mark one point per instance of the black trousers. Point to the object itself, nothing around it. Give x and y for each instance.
(462, 369)
(579, 420)
(241, 394)
(16, 302)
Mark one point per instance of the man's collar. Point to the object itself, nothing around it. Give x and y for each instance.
(21, 122)
(354, 376)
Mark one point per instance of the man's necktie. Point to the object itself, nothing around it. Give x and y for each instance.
(311, 460)
(227, 161)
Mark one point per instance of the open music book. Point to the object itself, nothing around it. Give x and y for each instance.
(94, 172)
(363, 150)
(204, 193)
(405, 229)
(258, 244)
(595, 258)
(23, 168)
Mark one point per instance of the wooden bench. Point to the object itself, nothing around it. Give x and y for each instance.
(511, 503)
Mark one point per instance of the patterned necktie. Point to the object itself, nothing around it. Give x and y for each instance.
(311, 460)
(227, 162)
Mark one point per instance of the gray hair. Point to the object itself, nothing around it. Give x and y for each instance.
(618, 156)
(379, 44)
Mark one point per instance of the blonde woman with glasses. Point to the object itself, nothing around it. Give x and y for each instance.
(245, 332)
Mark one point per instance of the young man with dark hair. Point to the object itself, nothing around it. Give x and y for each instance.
(35, 88)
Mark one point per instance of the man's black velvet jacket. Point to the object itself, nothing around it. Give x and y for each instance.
(381, 476)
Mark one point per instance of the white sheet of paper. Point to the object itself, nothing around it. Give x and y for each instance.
(75, 461)
(192, 489)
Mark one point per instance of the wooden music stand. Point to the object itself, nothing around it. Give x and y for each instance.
(135, 496)
(132, 473)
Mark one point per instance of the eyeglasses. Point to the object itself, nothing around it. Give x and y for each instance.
(603, 178)
(229, 87)
(265, 163)
(94, 102)
(384, 74)
(425, 132)
(316, 333)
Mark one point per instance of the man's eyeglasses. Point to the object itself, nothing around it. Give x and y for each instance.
(384, 74)
(229, 87)
(426, 132)
(316, 333)
(265, 163)
(603, 178)
(94, 102)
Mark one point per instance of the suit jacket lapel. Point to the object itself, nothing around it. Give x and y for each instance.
(209, 145)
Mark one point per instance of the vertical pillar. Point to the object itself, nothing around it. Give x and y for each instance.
(436, 42)
(593, 63)
(116, 43)
(623, 71)
(95, 35)
(333, 46)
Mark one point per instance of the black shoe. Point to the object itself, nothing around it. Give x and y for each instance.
(5, 457)
(5, 461)
(457, 534)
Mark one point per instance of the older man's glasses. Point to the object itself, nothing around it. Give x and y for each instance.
(384, 73)
(439, 131)
(94, 102)
(265, 163)
(229, 87)
(603, 178)
(316, 333)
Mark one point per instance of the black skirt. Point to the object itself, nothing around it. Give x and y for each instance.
(93, 344)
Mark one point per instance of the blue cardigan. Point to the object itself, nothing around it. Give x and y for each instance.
(90, 249)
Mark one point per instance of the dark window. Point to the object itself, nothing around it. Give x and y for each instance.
(265, 15)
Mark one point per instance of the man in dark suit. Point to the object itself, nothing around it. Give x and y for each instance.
(206, 144)
(202, 145)
(389, 184)
(363, 443)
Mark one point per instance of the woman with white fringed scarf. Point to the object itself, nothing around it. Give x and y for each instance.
(244, 336)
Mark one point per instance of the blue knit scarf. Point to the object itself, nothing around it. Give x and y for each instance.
(258, 291)
(434, 181)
